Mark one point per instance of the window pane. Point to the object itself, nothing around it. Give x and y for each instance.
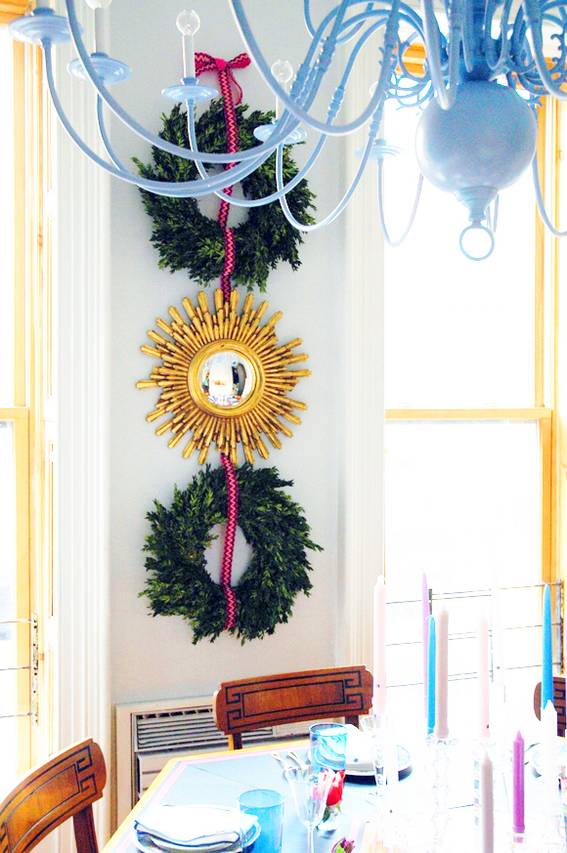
(462, 503)
(515, 658)
(9, 634)
(459, 333)
(6, 219)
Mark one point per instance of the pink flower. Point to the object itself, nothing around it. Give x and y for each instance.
(343, 846)
(335, 794)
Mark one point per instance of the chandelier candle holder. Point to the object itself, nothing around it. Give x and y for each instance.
(485, 72)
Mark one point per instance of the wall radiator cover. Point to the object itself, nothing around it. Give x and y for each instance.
(149, 734)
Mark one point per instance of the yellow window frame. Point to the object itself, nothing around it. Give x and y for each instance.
(546, 343)
(31, 384)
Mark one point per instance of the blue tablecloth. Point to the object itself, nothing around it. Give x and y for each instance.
(221, 781)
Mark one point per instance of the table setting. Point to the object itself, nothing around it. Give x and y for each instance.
(383, 788)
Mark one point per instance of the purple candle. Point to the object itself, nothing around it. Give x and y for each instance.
(518, 765)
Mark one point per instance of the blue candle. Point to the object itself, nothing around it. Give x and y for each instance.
(547, 669)
(431, 653)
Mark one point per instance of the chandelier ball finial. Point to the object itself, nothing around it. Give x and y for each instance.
(282, 71)
(188, 22)
(486, 140)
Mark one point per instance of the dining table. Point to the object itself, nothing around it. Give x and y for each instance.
(220, 777)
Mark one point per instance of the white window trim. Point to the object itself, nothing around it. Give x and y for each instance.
(362, 510)
(81, 241)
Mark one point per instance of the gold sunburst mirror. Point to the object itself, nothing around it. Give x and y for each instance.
(224, 379)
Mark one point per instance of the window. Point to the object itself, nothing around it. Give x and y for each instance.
(24, 313)
(470, 414)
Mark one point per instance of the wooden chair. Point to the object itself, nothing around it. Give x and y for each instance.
(66, 786)
(558, 701)
(251, 703)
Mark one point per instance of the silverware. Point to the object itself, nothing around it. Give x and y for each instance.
(293, 756)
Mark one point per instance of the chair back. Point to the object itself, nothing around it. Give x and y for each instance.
(252, 703)
(558, 701)
(66, 786)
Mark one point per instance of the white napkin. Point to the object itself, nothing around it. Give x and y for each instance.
(195, 826)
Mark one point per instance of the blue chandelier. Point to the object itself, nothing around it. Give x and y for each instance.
(485, 72)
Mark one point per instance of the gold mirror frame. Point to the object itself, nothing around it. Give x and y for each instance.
(181, 348)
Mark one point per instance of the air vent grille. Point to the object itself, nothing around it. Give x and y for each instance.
(187, 729)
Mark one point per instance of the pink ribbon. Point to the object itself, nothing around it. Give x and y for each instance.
(224, 72)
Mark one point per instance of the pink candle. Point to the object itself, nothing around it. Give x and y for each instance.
(379, 697)
(484, 688)
(425, 614)
(442, 673)
(518, 825)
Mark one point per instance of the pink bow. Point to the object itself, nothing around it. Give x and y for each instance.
(206, 62)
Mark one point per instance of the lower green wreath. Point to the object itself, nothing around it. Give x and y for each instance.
(275, 527)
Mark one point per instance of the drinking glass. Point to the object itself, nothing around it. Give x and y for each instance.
(375, 730)
(328, 743)
(267, 806)
(309, 791)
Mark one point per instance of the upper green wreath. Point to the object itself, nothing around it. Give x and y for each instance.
(186, 239)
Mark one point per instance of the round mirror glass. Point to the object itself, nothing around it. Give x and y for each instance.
(227, 379)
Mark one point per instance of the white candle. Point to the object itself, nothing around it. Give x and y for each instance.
(188, 24)
(486, 806)
(483, 679)
(550, 760)
(442, 679)
(379, 697)
(100, 45)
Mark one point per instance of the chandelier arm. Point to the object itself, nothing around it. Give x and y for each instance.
(380, 194)
(300, 113)
(248, 154)
(541, 204)
(469, 53)
(313, 157)
(534, 19)
(255, 202)
(388, 59)
(497, 65)
(445, 94)
(104, 136)
(520, 45)
(336, 102)
(173, 190)
(342, 39)
(338, 209)
(494, 216)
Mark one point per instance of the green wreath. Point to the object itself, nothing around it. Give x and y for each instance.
(273, 525)
(188, 240)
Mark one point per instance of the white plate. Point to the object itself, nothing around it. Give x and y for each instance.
(153, 848)
(359, 762)
(534, 753)
(151, 844)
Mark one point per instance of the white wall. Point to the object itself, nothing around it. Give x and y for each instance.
(154, 657)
